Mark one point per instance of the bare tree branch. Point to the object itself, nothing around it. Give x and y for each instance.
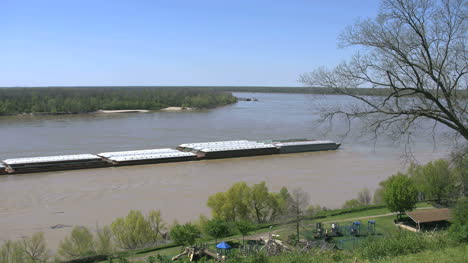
(417, 50)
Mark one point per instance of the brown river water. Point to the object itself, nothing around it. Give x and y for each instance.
(36, 202)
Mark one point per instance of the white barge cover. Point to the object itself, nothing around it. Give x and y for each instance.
(200, 144)
(226, 146)
(302, 143)
(137, 152)
(141, 157)
(47, 159)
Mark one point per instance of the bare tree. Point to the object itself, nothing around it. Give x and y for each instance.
(364, 196)
(416, 49)
(35, 248)
(297, 202)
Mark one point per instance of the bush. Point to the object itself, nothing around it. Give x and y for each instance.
(78, 244)
(459, 228)
(402, 243)
(185, 234)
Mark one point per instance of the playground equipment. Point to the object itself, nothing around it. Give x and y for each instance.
(333, 231)
(195, 253)
(319, 231)
(371, 227)
(355, 228)
(274, 247)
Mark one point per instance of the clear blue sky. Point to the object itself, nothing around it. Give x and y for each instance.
(172, 42)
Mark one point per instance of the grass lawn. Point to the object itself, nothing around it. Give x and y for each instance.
(383, 225)
(447, 255)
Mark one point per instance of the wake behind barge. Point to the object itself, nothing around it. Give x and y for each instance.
(184, 152)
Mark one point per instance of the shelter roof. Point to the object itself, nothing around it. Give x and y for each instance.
(433, 215)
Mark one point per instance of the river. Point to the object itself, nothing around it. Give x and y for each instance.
(35, 202)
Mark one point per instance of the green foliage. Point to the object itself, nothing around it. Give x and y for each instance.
(89, 99)
(133, 231)
(264, 204)
(400, 193)
(232, 205)
(244, 227)
(185, 234)
(26, 250)
(242, 202)
(459, 228)
(313, 210)
(103, 241)
(459, 163)
(157, 225)
(436, 181)
(402, 243)
(151, 259)
(217, 228)
(353, 203)
(79, 243)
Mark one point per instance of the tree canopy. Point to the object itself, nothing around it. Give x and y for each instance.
(89, 99)
(242, 202)
(400, 193)
(185, 234)
(415, 48)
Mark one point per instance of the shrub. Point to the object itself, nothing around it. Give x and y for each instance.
(79, 243)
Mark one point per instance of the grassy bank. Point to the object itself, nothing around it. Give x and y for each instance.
(390, 244)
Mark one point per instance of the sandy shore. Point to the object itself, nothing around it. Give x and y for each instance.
(120, 111)
(176, 109)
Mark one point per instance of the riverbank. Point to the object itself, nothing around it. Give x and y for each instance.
(122, 111)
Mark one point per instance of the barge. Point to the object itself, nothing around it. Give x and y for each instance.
(230, 149)
(2, 169)
(190, 147)
(184, 152)
(54, 163)
(148, 157)
(305, 146)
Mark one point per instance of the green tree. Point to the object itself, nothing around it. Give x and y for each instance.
(400, 193)
(132, 231)
(35, 248)
(244, 227)
(436, 181)
(459, 228)
(79, 243)
(103, 241)
(459, 162)
(27, 250)
(352, 204)
(265, 205)
(217, 228)
(232, 205)
(185, 234)
(157, 225)
(11, 252)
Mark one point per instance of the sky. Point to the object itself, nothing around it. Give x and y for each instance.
(172, 42)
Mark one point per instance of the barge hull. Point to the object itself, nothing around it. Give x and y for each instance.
(237, 153)
(308, 148)
(57, 167)
(155, 161)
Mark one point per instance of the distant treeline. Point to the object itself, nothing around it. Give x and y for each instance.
(72, 100)
(318, 90)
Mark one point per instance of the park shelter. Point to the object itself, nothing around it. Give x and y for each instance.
(429, 218)
(223, 248)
